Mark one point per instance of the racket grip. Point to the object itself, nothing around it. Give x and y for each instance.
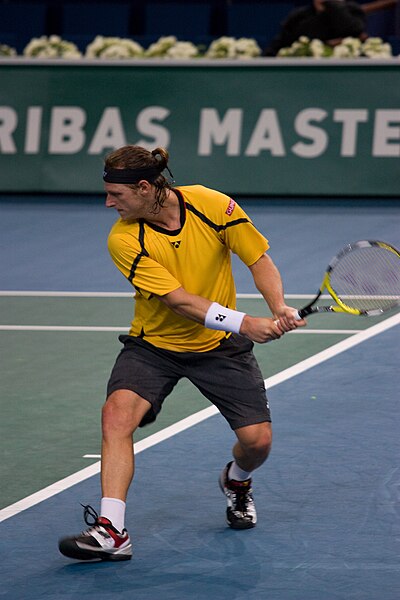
(302, 313)
(297, 317)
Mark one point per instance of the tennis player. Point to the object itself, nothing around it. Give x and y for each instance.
(174, 245)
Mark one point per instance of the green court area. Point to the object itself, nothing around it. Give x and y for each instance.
(57, 352)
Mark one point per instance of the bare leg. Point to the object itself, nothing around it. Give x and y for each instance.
(253, 445)
(122, 414)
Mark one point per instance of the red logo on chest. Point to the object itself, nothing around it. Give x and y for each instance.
(231, 207)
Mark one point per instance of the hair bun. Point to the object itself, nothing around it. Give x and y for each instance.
(161, 155)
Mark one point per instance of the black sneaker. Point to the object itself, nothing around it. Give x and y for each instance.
(240, 512)
(101, 541)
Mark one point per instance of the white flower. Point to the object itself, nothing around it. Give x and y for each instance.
(304, 47)
(317, 48)
(7, 50)
(51, 47)
(182, 50)
(348, 48)
(376, 48)
(161, 47)
(353, 43)
(169, 47)
(229, 47)
(341, 51)
(247, 48)
(113, 47)
(371, 48)
(223, 47)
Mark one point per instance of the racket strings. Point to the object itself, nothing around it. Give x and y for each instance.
(367, 278)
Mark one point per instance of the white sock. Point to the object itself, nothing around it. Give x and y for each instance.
(114, 509)
(236, 473)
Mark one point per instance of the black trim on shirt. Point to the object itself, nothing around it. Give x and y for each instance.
(182, 217)
(213, 225)
(182, 208)
(143, 251)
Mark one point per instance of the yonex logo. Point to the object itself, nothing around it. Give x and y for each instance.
(176, 244)
(220, 318)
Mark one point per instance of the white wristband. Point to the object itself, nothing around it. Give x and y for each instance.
(224, 319)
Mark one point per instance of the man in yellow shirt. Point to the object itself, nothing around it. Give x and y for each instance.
(174, 245)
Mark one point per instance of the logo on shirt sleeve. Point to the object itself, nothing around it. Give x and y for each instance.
(231, 207)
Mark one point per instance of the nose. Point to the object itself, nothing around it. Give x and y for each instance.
(110, 203)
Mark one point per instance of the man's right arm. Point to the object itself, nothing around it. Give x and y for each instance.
(196, 308)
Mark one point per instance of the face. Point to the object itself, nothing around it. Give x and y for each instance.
(130, 203)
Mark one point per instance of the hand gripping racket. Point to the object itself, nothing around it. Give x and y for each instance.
(363, 279)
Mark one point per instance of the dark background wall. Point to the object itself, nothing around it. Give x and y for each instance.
(199, 21)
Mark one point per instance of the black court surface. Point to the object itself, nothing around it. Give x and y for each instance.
(328, 497)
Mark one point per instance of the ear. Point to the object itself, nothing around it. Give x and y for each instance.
(144, 186)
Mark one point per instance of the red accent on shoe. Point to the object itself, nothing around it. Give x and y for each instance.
(119, 538)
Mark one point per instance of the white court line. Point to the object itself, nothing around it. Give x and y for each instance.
(16, 293)
(33, 294)
(184, 424)
(60, 328)
(126, 329)
(130, 295)
(327, 331)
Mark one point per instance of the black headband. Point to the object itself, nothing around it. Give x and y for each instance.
(131, 175)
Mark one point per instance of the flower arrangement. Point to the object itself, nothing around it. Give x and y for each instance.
(183, 50)
(7, 50)
(304, 47)
(374, 47)
(222, 48)
(170, 47)
(113, 47)
(348, 48)
(160, 48)
(229, 47)
(51, 47)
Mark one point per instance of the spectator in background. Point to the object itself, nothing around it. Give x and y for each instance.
(327, 20)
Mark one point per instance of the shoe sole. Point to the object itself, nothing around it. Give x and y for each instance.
(240, 527)
(71, 550)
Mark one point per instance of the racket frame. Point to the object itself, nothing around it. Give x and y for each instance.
(341, 306)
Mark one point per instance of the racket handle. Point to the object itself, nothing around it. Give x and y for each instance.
(302, 313)
(297, 317)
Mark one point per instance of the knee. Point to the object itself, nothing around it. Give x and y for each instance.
(118, 416)
(261, 446)
(259, 443)
(113, 418)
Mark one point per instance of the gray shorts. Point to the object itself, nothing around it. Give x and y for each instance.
(229, 376)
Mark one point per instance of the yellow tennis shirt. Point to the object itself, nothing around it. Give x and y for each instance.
(196, 257)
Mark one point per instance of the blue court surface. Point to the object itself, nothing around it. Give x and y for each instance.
(328, 498)
(61, 244)
(328, 504)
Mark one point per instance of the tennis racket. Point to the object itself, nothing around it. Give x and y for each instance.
(362, 279)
